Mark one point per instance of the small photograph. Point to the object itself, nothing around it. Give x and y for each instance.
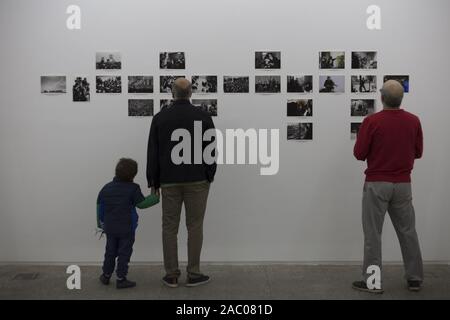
(108, 84)
(354, 128)
(332, 60)
(267, 84)
(364, 84)
(299, 108)
(172, 60)
(207, 105)
(332, 84)
(404, 81)
(268, 59)
(301, 84)
(140, 107)
(81, 90)
(164, 103)
(362, 107)
(108, 60)
(300, 131)
(364, 60)
(204, 84)
(140, 84)
(166, 82)
(53, 84)
(235, 84)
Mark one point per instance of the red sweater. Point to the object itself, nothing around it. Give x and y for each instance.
(389, 140)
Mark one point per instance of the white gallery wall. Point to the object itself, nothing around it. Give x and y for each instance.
(56, 154)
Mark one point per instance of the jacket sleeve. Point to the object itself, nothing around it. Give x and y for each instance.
(148, 201)
(153, 166)
(100, 212)
(210, 168)
(419, 142)
(363, 141)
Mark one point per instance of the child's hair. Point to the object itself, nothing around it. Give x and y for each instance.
(126, 169)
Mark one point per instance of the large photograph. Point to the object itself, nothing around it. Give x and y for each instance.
(267, 59)
(364, 60)
(81, 90)
(299, 108)
(300, 84)
(108, 60)
(204, 84)
(140, 107)
(332, 84)
(362, 107)
(403, 80)
(235, 84)
(108, 84)
(300, 131)
(354, 129)
(267, 84)
(172, 60)
(207, 105)
(53, 84)
(364, 84)
(332, 60)
(140, 84)
(166, 83)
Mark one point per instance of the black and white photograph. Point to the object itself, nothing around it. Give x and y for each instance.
(172, 60)
(362, 107)
(108, 60)
(164, 103)
(108, 84)
(268, 59)
(364, 60)
(81, 90)
(299, 108)
(354, 128)
(235, 84)
(53, 84)
(300, 84)
(332, 84)
(207, 105)
(364, 84)
(404, 81)
(300, 131)
(267, 84)
(166, 82)
(140, 107)
(140, 84)
(204, 84)
(332, 60)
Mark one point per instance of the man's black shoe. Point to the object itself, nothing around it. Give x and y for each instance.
(171, 282)
(197, 281)
(362, 286)
(414, 285)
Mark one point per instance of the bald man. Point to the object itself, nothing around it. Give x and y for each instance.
(185, 183)
(390, 141)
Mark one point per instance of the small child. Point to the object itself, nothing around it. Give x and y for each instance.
(117, 217)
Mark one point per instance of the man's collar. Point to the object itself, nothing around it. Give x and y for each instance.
(181, 101)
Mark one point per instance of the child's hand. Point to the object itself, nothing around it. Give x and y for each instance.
(155, 191)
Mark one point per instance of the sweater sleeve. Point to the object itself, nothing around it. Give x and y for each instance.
(363, 141)
(419, 142)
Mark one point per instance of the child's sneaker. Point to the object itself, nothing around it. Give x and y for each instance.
(105, 279)
(125, 283)
(171, 282)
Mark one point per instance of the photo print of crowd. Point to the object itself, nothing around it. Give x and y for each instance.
(207, 105)
(108, 84)
(172, 60)
(364, 84)
(108, 60)
(300, 131)
(364, 60)
(267, 84)
(164, 103)
(332, 60)
(235, 84)
(332, 84)
(299, 108)
(166, 83)
(404, 81)
(53, 84)
(362, 107)
(140, 84)
(267, 59)
(300, 84)
(204, 84)
(81, 90)
(140, 107)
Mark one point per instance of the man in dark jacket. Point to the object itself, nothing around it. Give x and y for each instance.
(186, 182)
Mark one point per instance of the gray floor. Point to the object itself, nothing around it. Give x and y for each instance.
(228, 282)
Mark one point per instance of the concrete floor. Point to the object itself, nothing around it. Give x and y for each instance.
(228, 282)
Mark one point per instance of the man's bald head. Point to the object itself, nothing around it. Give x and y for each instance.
(181, 89)
(392, 94)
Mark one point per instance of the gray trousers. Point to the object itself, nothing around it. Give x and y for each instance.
(194, 196)
(395, 198)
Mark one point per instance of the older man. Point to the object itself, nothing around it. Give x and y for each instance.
(390, 141)
(186, 183)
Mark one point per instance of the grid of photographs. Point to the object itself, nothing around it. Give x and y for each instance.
(299, 108)
(362, 107)
(204, 84)
(267, 84)
(267, 59)
(364, 84)
(299, 84)
(140, 84)
(207, 105)
(81, 90)
(238, 84)
(140, 107)
(300, 131)
(53, 84)
(172, 60)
